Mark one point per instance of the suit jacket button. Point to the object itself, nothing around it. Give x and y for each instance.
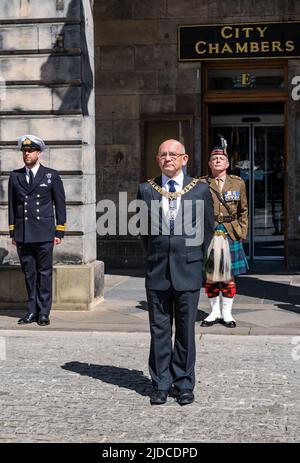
(25, 204)
(37, 203)
(26, 218)
(37, 196)
(37, 210)
(38, 218)
(25, 210)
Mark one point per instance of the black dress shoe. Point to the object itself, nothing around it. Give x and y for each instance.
(43, 320)
(213, 322)
(231, 324)
(158, 397)
(186, 397)
(30, 317)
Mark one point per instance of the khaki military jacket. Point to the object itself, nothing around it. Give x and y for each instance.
(235, 196)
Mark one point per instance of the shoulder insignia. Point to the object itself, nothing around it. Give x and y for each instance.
(235, 176)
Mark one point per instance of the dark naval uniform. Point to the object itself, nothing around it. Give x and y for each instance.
(32, 226)
(31, 214)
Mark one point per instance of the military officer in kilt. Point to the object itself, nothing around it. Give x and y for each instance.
(226, 257)
(33, 191)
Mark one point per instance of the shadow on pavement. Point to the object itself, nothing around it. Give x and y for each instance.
(121, 377)
(278, 292)
(16, 313)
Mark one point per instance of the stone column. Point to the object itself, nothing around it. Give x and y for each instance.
(47, 89)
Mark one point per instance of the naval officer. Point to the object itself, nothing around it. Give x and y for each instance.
(33, 191)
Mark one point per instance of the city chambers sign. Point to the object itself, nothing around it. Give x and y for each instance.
(238, 41)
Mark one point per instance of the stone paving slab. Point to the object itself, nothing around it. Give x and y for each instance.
(124, 309)
(94, 387)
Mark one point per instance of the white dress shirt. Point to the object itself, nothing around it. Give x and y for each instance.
(178, 187)
(33, 170)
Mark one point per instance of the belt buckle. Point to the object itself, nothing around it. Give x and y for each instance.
(220, 218)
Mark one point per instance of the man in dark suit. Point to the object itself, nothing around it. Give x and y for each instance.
(174, 270)
(32, 192)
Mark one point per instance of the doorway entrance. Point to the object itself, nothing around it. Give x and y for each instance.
(256, 145)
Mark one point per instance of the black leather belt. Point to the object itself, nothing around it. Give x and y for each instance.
(224, 218)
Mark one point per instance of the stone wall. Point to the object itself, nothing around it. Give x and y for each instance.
(44, 48)
(137, 73)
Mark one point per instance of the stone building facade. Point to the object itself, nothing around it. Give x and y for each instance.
(139, 80)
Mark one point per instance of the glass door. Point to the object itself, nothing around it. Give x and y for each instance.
(256, 149)
(268, 213)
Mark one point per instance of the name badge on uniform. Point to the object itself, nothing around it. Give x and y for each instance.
(231, 195)
(49, 177)
(44, 184)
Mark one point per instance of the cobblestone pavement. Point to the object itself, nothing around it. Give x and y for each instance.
(94, 386)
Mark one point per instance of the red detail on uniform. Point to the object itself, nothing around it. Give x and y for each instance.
(212, 289)
(228, 289)
(217, 151)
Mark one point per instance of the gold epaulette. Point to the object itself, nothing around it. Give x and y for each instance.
(235, 176)
(172, 195)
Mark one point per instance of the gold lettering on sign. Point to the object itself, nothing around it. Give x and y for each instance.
(213, 48)
(230, 46)
(289, 45)
(262, 31)
(265, 46)
(247, 31)
(226, 49)
(245, 79)
(197, 47)
(224, 29)
(276, 46)
(242, 48)
(254, 47)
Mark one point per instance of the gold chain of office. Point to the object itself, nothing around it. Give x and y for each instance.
(175, 194)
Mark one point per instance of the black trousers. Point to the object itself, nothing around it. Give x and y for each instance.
(170, 364)
(37, 265)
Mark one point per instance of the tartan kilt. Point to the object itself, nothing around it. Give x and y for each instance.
(239, 263)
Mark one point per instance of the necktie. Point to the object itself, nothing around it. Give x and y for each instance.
(220, 184)
(30, 178)
(172, 206)
(220, 188)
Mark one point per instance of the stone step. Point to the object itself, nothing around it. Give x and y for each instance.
(80, 218)
(78, 159)
(31, 9)
(39, 37)
(34, 98)
(40, 67)
(57, 128)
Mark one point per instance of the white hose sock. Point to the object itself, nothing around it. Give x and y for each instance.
(215, 309)
(227, 308)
